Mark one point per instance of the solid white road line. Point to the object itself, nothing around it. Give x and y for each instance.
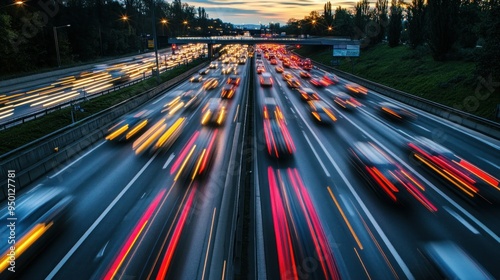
(170, 158)
(376, 226)
(316, 154)
(461, 220)
(96, 223)
(77, 160)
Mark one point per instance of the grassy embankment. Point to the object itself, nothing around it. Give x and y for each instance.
(22, 134)
(452, 83)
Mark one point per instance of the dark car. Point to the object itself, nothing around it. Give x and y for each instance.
(307, 94)
(128, 127)
(214, 112)
(345, 101)
(386, 176)
(321, 112)
(279, 142)
(228, 91)
(40, 216)
(395, 111)
(462, 175)
(196, 157)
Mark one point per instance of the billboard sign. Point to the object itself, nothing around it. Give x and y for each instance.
(345, 50)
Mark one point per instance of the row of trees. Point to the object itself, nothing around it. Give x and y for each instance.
(97, 28)
(442, 25)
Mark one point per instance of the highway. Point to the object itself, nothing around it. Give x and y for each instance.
(142, 211)
(23, 99)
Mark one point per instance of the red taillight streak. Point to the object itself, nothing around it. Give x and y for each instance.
(185, 150)
(414, 190)
(175, 238)
(480, 173)
(272, 140)
(386, 181)
(317, 233)
(381, 183)
(445, 165)
(209, 151)
(289, 141)
(266, 135)
(284, 246)
(133, 237)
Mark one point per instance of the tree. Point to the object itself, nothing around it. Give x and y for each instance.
(394, 33)
(416, 23)
(488, 65)
(468, 24)
(380, 13)
(443, 19)
(342, 23)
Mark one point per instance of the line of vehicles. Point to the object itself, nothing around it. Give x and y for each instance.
(157, 128)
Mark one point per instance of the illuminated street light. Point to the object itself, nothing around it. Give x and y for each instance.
(19, 2)
(124, 17)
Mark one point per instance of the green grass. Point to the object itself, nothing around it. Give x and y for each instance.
(452, 83)
(22, 134)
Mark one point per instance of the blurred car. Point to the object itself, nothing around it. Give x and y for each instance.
(305, 75)
(227, 70)
(273, 61)
(129, 126)
(190, 99)
(395, 111)
(99, 68)
(307, 94)
(196, 156)
(210, 83)
(293, 83)
(386, 176)
(279, 69)
(266, 80)
(286, 75)
(233, 80)
(317, 81)
(204, 71)
(259, 62)
(196, 79)
(466, 177)
(228, 91)
(38, 218)
(214, 112)
(356, 89)
(118, 76)
(213, 65)
(321, 112)
(279, 142)
(452, 262)
(330, 79)
(260, 69)
(345, 101)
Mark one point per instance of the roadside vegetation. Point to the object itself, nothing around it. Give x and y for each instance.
(453, 83)
(25, 133)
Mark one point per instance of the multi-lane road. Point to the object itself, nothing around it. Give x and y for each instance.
(141, 213)
(18, 100)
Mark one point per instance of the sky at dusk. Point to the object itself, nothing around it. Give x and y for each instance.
(255, 11)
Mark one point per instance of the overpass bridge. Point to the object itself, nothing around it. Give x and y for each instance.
(210, 41)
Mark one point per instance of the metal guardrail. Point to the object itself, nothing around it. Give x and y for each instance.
(485, 126)
(41, 113)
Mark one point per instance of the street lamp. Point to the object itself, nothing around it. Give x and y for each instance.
(164, 22)
(57, 42)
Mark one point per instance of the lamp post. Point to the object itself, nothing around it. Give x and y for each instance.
(155, 41)
(57, 43)
(164, 22)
